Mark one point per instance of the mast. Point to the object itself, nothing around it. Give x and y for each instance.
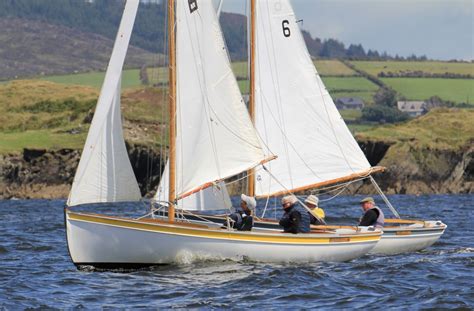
(251, 173)
(172, 109)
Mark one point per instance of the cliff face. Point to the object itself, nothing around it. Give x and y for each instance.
(413, 169)
(44, 174)
(433, 153)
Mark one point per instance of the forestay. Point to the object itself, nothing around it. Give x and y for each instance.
(295, 114)
(215, 137)
(104, 173)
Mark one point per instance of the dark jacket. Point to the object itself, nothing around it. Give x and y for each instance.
(242, 221)
(372, 217)
(314, 220)
(295, 220)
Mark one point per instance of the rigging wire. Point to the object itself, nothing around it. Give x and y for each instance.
(384, 198)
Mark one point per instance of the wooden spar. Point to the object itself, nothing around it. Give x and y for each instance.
(209, 184)
(251, 172)
(372, 170)
(172, 109)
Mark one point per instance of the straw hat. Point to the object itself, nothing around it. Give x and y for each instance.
(312, 199)
(251, 203)
(367, 199)
(289, 199)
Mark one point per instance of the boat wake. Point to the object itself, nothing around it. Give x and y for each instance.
(186, 257)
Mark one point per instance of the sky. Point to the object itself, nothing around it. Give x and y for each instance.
(439, 29)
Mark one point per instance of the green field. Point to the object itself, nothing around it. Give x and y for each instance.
(333, 68)
(456, 90)
(338, 87)
(42, 139)
(350, 114)
(350, 87)
(375, 67)
(160, 74)
(130, 78)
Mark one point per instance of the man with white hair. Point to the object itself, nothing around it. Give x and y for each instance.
(296, 218)
(242, 219)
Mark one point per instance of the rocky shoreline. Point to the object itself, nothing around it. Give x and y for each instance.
(45, 174)
(48, 174)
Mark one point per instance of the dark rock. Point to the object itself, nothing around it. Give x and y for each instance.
(29, 154)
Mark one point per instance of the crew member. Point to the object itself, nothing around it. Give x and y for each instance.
(316, 213)
(373, 215)
(242, 219)
(295, 218)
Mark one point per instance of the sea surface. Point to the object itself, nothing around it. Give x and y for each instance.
(36, 271)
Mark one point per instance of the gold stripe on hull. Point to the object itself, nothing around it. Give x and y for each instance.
(182, 229)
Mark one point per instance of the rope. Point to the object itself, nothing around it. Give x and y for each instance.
(266, 204)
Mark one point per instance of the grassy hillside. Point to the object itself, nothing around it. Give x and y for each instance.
(42, 114)
(34, 48)
(445, 129)
(130, 78)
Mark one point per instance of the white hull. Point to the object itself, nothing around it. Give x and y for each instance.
(101, 240)
(408, 238)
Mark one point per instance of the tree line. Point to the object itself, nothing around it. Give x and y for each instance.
(103, 16)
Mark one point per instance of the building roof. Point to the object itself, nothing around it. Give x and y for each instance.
(350, 101)
(413, 106)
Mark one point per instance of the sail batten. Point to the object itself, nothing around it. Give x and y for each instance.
(104, 173)
(295, 115)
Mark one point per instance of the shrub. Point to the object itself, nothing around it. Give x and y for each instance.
(383, 114)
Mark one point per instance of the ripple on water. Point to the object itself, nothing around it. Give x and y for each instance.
(36, 272)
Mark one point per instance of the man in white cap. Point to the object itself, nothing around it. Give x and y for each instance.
(373, 215)
(317, 214)
(296, 218)
(242, 219)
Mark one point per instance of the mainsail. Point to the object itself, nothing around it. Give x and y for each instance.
(215, 197)
(104, 173)
(295, 115)
(216, 138)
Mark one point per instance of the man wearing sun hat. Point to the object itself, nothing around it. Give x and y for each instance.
(242, 219)
(295, 218)
(316, 213)
(373, 215)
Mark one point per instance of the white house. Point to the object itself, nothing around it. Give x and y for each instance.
(413, 108)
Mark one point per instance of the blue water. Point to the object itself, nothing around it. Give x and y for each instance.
(36, 271)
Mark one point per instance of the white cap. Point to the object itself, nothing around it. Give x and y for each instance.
(251, 203)
(312, 199)
(292, 199)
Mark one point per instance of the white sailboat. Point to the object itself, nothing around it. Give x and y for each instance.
(298, 120)
(213, 138)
